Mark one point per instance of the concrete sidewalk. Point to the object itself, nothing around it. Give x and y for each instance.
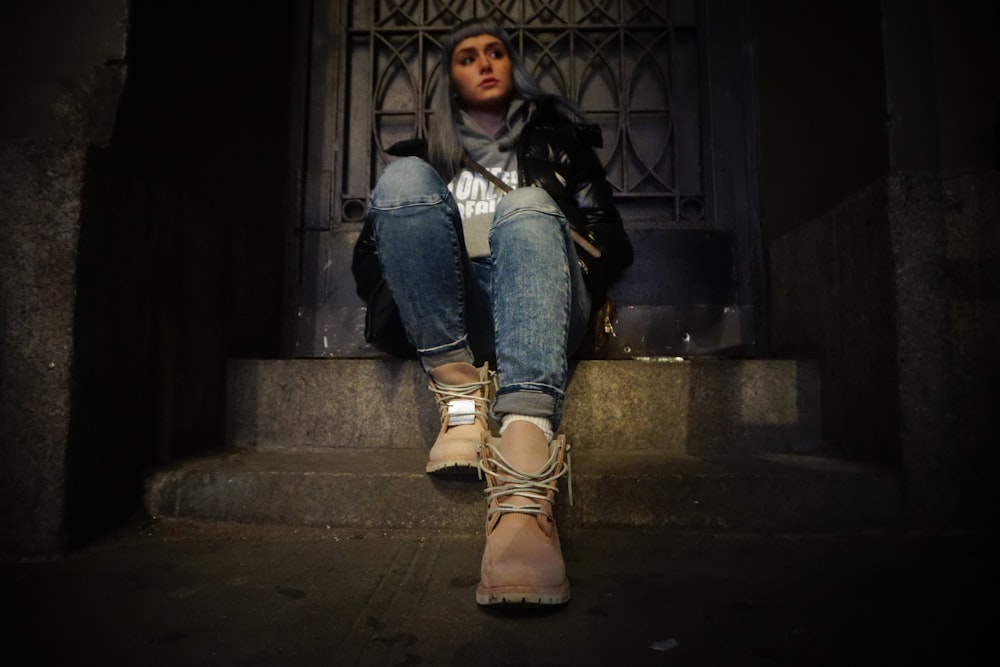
(173, 593)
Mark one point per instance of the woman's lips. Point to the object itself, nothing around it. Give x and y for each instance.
(488, 83)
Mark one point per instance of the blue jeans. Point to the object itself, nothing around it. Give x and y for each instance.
(525, 307)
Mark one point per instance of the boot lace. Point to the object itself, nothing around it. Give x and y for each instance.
(503, 480)
(478, 392)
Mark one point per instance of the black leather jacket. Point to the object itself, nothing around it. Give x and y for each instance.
(557, 155)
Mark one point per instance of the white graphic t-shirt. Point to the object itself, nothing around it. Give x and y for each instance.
(477, 200)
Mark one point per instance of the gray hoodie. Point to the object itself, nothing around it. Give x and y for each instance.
(476, 197)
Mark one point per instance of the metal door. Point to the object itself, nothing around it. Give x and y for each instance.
(668, 81)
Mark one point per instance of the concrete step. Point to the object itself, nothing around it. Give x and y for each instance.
(731, 444)
(693, 406)
(387, 489)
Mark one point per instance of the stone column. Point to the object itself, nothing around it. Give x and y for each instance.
(62, 72)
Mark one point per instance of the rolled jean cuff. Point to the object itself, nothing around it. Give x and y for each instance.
(457, 351)
(535, 400)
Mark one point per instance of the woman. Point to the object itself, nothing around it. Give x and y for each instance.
(481, 276)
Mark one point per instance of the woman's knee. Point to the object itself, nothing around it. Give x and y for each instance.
(407, 180)
(527, 199)
(528, 215)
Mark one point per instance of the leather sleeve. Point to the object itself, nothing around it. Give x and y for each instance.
(596, 217)
(559, 156)
(364, 263)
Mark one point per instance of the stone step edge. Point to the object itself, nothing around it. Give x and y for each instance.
(387, 489)
(738, 406)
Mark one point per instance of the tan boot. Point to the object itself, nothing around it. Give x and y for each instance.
(464, 417)
(522, 562)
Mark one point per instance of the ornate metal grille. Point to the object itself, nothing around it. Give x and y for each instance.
(631, 64)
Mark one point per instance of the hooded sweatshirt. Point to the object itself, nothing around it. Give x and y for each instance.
(477, 197)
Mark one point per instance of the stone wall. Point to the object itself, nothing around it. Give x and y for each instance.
(895, 292)
(40, 183)
(144, 208)
(61, 78)
(972, 222)
(831, 299)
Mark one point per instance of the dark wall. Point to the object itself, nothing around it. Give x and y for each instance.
(967, 64)
(821, 106)
(181, 244)
(207, 106)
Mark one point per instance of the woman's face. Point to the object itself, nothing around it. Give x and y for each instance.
(481, 73)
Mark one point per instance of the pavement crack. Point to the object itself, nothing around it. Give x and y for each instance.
(380, 632)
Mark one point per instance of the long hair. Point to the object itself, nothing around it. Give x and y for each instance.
(443, 144)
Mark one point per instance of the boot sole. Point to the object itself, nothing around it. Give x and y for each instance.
(453, 468)
(522, 596)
